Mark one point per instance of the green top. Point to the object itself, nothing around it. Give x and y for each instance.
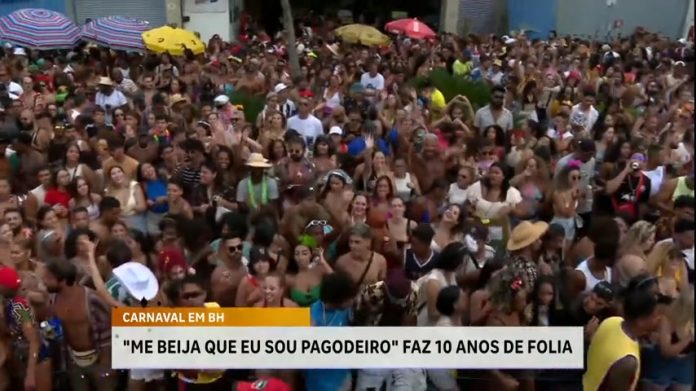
(682, 189)
(305, 299)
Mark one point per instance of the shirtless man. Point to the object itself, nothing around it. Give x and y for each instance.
(363, 265)
(229, 273)
(110, 209)
(429, 164)
(86, 327)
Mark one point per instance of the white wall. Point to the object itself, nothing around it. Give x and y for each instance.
(208, 19)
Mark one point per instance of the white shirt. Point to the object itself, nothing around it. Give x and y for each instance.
(590, 279)
(591, 115)
(656, 176)
(375, 82)
(310, 128)
(15, 89)
(456, 195)
(116, 99)
(484, 118)
(487, 209)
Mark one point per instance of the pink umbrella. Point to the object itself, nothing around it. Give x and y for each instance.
(412, 28)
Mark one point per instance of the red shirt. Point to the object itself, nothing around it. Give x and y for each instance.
(57, 197)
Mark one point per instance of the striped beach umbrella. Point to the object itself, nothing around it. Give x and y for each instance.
(117, 32)
(40, 29)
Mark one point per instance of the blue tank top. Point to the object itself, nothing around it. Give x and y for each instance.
(153, 190)
(327, 379)
(415, 270)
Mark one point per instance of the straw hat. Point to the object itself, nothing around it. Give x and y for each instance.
(176, 98)
(256, 160)
(105, 81)
(525, 234)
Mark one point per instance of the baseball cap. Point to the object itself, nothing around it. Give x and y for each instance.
(604, 290)
(335, 130)
(585, 145)
(279, 87)
(221, 100)
(9, 278)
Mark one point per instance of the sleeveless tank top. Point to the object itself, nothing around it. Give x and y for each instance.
(590, 279)
(682, 189)
(609, 345)
(402, 189)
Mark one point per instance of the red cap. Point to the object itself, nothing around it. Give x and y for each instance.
(306, 94)
(9, 278)
(264, 385)
(169, 258)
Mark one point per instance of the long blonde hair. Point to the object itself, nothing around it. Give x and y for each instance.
(681, 311)
(638, 234)
(660, 258)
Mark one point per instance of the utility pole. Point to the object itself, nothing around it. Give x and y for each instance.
(289, 24)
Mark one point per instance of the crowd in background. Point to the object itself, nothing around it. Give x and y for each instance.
(359, 190)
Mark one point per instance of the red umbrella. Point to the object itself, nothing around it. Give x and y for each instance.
(412, 28)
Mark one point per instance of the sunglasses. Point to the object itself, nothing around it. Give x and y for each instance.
(315, 223)
(234, 249)
(295, 151)
(575, 178)
(463, 176)
(191, 295)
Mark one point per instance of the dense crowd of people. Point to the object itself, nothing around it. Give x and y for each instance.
(359, 191)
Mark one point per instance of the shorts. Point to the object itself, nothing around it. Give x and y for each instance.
(666, 371)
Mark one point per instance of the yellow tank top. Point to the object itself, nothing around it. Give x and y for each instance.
(682, 189)
(609, 345)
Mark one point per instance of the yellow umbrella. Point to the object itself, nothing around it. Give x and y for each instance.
(172, 40)
(360, 33)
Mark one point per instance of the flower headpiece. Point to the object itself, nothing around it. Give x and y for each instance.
(516, 284)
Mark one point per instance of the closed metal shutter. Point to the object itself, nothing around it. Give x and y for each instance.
(154, 11)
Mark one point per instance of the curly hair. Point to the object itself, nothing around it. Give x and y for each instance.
(504, 286)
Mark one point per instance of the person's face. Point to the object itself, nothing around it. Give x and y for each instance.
(304, 106)
(192, 295)
(625, 150)
(400, 168)
(464, 178)
(62, 178)
(223, 160)
(170, 235)
(335, 184)
(278, 149)
(452, 214)
(18, 254)
(82, 187)
(382, 187)
(206, 110)
(176, 273)
(148, 83)
(14, 220)
(593, 304)
(490, 134)
(430, 147)
(397, 207)
(119, 231)
(272, 289)
(80, 220)
(234, 248)
(119, 116)
(174, 191)
(296, 151)
(588, 101)
(117, 176)
(649, 243)
(497, 99)
(495, 176)
(73, 154)
(276, 120)
(609, 135)
(322, 148)
(684, 240)
(6, 233)
(148, 171)
(303, 256)
(358, 245)
(359, 205)
(488, 154)
(207, 176)
(457, 113)
(545, 294)
(262, 267)
(50, 220)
